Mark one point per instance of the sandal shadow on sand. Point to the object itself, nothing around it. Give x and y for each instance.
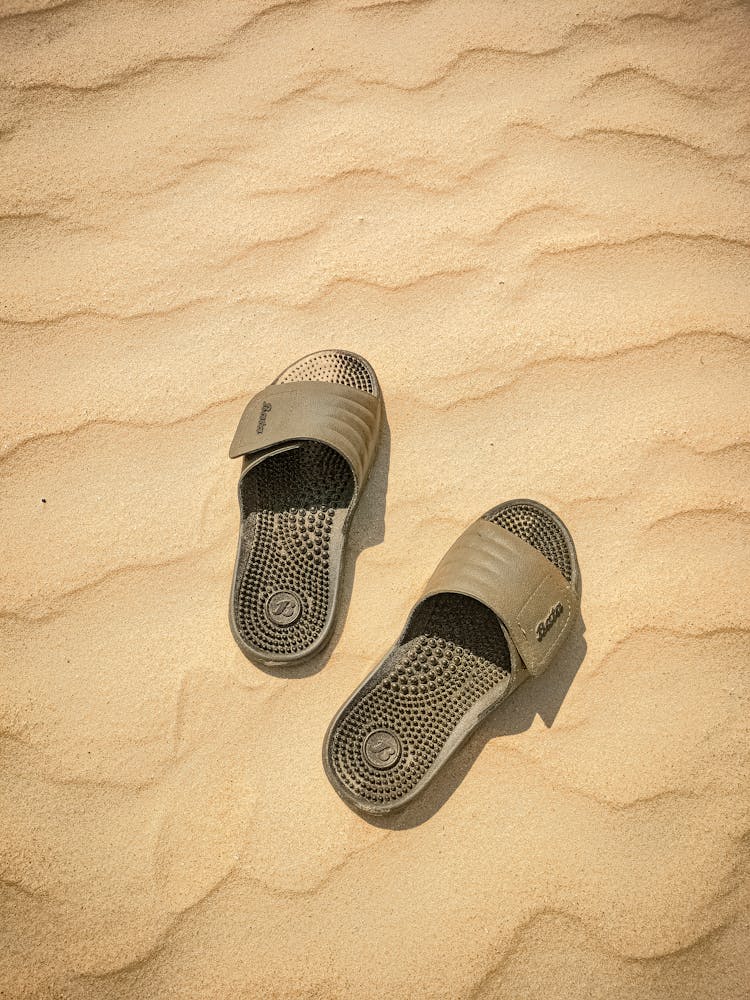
(496, 611)
(307, 443)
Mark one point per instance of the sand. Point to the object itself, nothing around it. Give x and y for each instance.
(534, 220)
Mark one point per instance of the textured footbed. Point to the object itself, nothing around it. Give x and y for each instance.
(294, 508)
(449, 669)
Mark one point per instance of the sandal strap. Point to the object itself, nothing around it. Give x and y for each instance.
(530, 596)
(346, 419)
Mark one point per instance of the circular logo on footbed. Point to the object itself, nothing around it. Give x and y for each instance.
(381, 749)
(283, 607)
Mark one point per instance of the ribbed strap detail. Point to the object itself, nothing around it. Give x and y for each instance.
(527, 593)
(346, 419)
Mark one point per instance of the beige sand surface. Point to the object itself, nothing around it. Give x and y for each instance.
(534, 220)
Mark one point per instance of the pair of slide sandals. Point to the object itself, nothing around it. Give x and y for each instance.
(496, 610)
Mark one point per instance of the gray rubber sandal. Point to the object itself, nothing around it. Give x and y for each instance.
(307, 444)
(495, 611)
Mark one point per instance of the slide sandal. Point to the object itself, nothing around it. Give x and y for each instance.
(307, 443)
(497, 609)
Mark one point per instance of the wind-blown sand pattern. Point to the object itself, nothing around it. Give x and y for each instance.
(534, 220)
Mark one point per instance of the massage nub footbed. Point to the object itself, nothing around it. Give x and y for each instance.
(497, 610)
(307, 443)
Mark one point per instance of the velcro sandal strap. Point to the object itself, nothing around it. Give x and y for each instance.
(527, 592)
(346, 419)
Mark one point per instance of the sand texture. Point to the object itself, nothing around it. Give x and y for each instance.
(534, 220)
